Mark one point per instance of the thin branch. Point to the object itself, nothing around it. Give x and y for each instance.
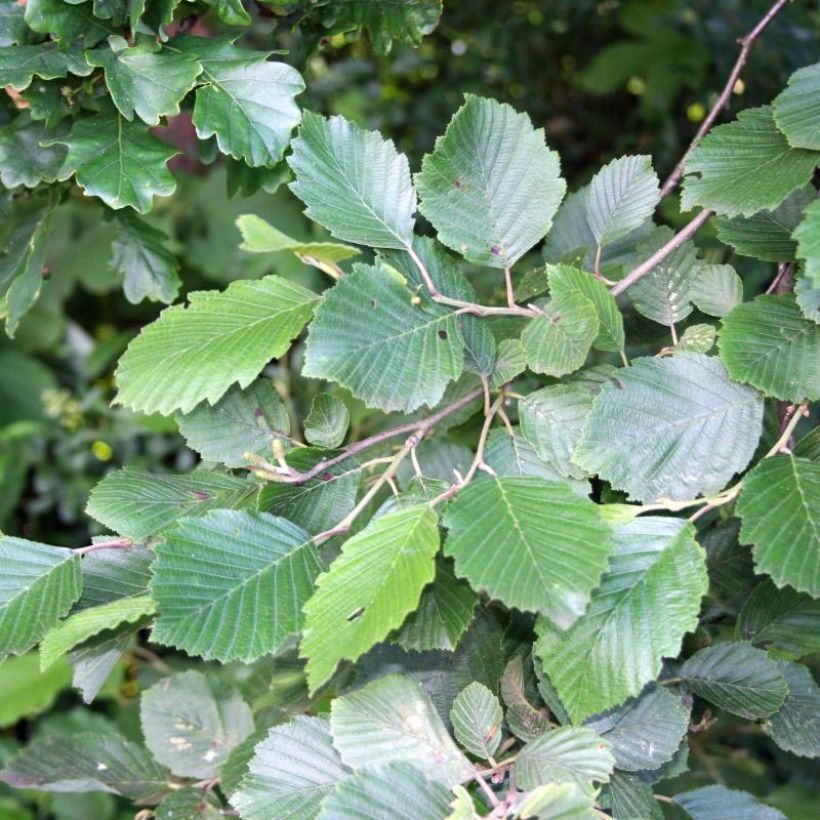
(491, 796)
(797, 414)
(783, 282)
(673, 244)
(722, 101)
(113, 544)
(509, 285)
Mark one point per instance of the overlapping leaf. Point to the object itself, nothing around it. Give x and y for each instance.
(23, 161)
(19, 64)
(716, 289)
(476, 717)
(715, 802)
(797, 109)
(795, 727)
(807, 236)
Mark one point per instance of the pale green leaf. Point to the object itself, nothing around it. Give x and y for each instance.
(780, 508)
(720, 803)
(369, 590)
(736, 677)
(651, 593)
(326, 424)
(88, 622)
(38, 585)
(565, 755)
(27, 692)
(139, 505)
(293, 769)
(671, 428)
(145, 81)
(392, 719)
(197, 352)
(554, 544)
(697, 339)
(95, 660)
(112, 574)
(242, 421)
(370, 337)
(353, 182)
(797, 109)
(192, 721)
(398, 790)
(795, 727)
(716, 289)
(807, 236)
(244, 100)
(558, 341)
(491, 186)
(231, 585)
(557, 801)
(189, 803)
(808, 299)
(745, 166)
(771, 345)
(20, 64)
(621, 197)
(476, 717)
(510, 362)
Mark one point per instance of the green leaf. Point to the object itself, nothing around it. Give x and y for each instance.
(628, 796)
(406, 22)
(244, 100)
(556, 801)
(353, 182)
(89, 622)
(445, 610)
(808, 299)
(259, 236)
(326, 424)
(118, 161)
(139, 254)
(780, 508)
(797, 109)
(510, 362)
(392, 719)
(368, 335)
(716, 289)
(192, 721)
(566, 279)
(320, 503)
(398, 790)
(621, 197)
(139, 504)
(27, 691)
(524, 720)
(555, 544)
(145, 81)
(38, 585)
(66, 22)
(477, 717)
(369, 590)
(231, 585)
(807, 236)
(652, 592)
(720, 803)
(231, 12)
(671, 428)
(189, 803)
(491, 186)
(736, 677)
(110, 575)
(646, 731)
(780, 618)
(88, 761)
(697, 339)
(223, 338)
(745, 166)
(23, 161)
(770, 344)
(795, 727)
(767, 235)
(242, 421)
(558, 341)
(94, 661)
(565, 755)
(293, 769)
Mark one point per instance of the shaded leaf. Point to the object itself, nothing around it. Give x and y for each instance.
(23, 161)
(525, 721)
(795, 727)
(720, 803)
(66, 22)
(326, 424)
(20, 64)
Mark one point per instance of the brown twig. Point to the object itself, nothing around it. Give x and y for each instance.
(113, 544)
(722, 101)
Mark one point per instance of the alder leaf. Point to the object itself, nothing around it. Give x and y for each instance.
(745, 166)
(780, 509)
(716, 289)
(771, 345)
(244, 100)
(191, 721)
(719, 803)
(139, 504)
(671, 428)
(369, 590)
(231, 585)
(353, 182)
(326, 424)
(555, 544)
(651, 593)
(797, 108)
(697, 339)
(795, 727)
(491, 186)
(145, 81)
(196, 353)
(38, 585)
(292, 770)
(477, 717)
(392, 719)
(372, 338)
(736, 677)
(807, 236)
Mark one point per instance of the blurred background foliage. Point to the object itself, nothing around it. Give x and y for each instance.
(602, 78)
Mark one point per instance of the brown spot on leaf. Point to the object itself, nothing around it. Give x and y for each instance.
(495, 250)
(442, 334)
